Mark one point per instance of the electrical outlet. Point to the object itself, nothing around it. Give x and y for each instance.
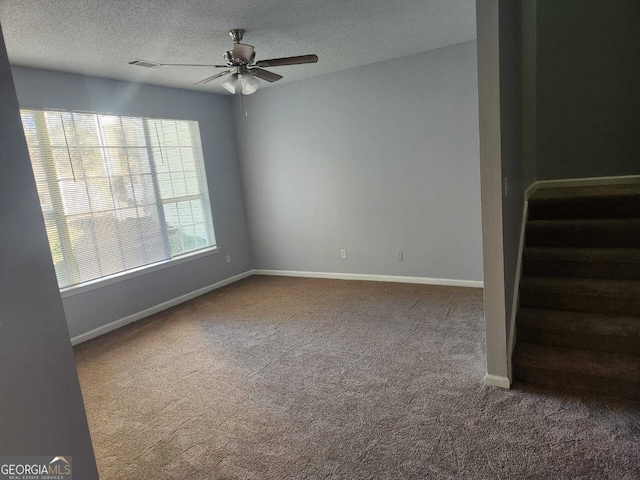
(343, 254)
(228, 258)
(399, 255)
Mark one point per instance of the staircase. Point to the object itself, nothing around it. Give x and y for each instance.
(578, 325)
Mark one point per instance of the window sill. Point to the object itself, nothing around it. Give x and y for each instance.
(135, 272)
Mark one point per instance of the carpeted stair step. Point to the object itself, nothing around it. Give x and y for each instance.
(604, 233)
(613, 263)
(620, 297)
(610, 201)
(585, 331)
(604, 373)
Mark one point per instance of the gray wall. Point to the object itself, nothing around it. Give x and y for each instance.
(41, 408)
(588, 95)
(513, 171)
(373, 159)
(529, 89)
(92, 309)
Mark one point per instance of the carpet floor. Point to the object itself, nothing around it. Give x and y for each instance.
(275, 377)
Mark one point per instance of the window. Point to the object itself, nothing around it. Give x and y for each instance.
(117, 193)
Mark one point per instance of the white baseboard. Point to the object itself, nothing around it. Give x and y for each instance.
(497, 381)
(96, 332)
(372, 278)
(582, 182)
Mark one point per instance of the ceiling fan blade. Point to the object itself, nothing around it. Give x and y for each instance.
(213, 77)
(242, 52)
(265, 74)
(278, 62)
(191, 65)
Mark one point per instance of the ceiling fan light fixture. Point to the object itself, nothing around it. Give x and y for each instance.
(232, 83)
(249, 84)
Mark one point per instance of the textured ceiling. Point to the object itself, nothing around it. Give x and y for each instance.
(100, 37)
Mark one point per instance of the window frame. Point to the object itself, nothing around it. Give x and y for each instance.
(125, 275)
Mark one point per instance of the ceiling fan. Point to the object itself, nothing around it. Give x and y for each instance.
(240, 63)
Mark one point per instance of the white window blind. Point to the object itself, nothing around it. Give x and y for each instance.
(117, 193)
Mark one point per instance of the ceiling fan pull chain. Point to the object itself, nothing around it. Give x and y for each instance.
(243, 103)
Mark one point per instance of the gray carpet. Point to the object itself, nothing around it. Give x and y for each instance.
(303, 378)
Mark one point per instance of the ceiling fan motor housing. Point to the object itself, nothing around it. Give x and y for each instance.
(242, 54)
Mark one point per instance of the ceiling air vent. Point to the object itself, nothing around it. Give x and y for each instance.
(144, 63)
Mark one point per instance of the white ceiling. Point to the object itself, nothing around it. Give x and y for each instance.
(100, 37)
